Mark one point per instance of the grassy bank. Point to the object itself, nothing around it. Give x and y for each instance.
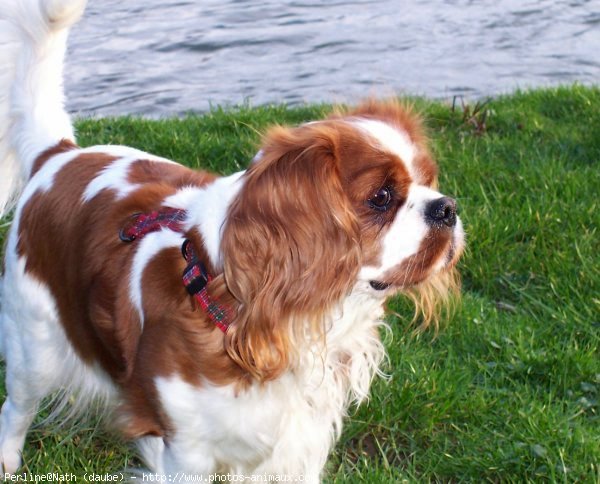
(509, 389)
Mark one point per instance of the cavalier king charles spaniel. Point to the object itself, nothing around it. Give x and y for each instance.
(227, 323)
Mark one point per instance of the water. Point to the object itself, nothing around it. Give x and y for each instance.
(164, 57)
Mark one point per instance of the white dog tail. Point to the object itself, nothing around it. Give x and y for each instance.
(33, 36)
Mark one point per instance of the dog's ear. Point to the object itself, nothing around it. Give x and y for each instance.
(291, 247)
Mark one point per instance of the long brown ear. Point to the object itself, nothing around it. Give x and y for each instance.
(291, 247)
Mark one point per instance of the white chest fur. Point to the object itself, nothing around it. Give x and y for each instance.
(286, 426)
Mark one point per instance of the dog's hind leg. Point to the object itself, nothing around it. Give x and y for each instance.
(25, 389)
(151, 450)
(34, 352)
(18, 412)
(33, 36)
(40, 360)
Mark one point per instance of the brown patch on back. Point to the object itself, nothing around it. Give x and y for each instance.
(170, 174)
(74, 248)
(54, 238)
(62, 146)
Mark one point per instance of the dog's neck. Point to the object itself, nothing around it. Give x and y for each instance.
(353, 341)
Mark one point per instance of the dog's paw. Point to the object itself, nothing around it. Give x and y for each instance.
(10, 461)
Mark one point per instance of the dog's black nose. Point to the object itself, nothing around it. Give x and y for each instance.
(441, 211)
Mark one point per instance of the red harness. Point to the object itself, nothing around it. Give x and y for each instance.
(195, 276)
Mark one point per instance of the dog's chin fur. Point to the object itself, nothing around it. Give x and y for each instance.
(304, 247)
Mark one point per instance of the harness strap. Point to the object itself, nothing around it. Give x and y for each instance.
(141, 224)
(195, 280)
(195, 276)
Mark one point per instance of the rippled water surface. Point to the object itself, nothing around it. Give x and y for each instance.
(162, 57)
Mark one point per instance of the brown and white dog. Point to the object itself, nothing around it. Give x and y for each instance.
(288, 266)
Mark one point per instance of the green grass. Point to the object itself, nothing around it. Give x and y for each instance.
(509, 389)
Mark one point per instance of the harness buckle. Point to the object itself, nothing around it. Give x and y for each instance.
(195, 277)
(127, 227)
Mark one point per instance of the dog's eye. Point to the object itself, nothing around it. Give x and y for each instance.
(382, 199)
